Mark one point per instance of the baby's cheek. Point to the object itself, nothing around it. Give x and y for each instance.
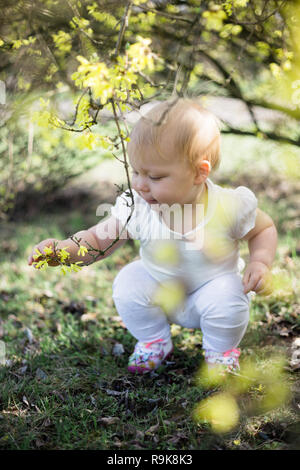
(133, 183)
(163, 192)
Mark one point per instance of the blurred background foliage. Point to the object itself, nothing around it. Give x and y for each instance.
(36, 163)
(246, 50)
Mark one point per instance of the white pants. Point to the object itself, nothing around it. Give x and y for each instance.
(219, 308)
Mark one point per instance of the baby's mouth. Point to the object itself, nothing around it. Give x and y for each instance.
(151, 201)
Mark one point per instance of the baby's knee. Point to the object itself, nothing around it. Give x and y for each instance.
(124, 281)
(225, 301)
(131, 283)
(230, 310)
(227, 289)
(225, 319)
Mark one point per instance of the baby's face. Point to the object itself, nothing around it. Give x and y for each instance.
(159, 181)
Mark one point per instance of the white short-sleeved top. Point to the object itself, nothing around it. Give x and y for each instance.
(208, 251)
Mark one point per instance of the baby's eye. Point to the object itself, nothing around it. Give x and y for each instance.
(155, 178)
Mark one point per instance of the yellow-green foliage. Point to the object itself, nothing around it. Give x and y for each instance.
(60, 256)
(220, 411)
(81, 24)
(230, 5)
(115, 80)
(230, 29)
(62, 41)
(107, 18)
(166, 253)
(214, 19)
(169, 296)
(267, 386)
(23, 42)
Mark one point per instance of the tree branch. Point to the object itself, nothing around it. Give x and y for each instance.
(268, 135)
(165, 15)
(124, 25)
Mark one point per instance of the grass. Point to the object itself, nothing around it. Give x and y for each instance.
(63, 388)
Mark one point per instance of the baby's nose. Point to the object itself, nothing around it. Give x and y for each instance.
(141, 184)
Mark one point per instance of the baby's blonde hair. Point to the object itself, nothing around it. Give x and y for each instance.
(195, 131)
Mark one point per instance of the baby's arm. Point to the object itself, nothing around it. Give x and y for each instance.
(100, 237)
(262, 242)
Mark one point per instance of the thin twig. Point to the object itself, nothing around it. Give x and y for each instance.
(166, 15)
(87, 126)
(124, 25)
(77, 107)
(259, 19)
(123, 148)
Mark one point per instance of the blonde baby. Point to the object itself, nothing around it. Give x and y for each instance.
(173, 150)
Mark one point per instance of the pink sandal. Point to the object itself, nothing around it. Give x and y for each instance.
(229, 359)
(149, 356)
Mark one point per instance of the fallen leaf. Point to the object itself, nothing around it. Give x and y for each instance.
(296, 343)
(114, 392)
(40, 374)
(119, 320)
(89, 317)
(22, 370)
(24, 399)
(139, 435)
(93, 400)
(284, 331)
(118, 443)
(295, 358)
(39, 443)
(48, 293)
(29, 335)
(108, 420)
(118, 349)
(152, 429)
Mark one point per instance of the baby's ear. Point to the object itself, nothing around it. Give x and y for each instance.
(203, 168)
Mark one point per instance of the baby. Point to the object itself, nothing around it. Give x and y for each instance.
(172, 151)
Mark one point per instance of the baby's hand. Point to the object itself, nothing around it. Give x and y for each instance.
(257, 278)
(48, 243)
